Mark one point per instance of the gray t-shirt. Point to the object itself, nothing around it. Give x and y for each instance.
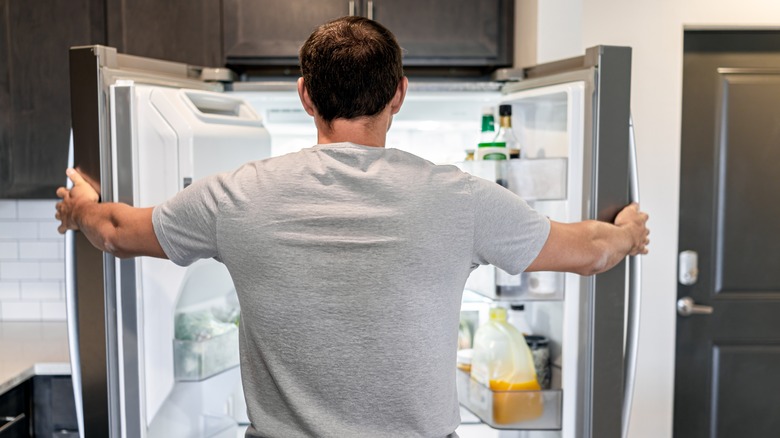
(349, 262)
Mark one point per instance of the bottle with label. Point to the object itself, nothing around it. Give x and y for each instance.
(488, 126)
(487, 149)
(503, 362)
(505, 137)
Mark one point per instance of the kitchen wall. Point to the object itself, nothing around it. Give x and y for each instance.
(654, 29)
(32, 266)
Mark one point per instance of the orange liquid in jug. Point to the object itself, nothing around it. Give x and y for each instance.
(514, 405)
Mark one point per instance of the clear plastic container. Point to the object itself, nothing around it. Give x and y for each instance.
(464, 359)
(198, 360)
(503, 362)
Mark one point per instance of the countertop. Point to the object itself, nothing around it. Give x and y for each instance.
(32, 348)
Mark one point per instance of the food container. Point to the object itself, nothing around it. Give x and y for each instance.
(198, 360)
(464, 360)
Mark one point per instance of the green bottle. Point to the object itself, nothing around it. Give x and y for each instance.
(487, 145)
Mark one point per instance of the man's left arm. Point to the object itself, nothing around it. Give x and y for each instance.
(116, 228)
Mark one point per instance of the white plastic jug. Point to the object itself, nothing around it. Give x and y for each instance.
(503, 362)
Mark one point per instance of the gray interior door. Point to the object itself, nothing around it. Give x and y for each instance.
(727, 380)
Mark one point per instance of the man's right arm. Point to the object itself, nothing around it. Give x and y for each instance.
(591, 247)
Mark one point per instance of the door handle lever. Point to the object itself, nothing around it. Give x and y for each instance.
(687, 307)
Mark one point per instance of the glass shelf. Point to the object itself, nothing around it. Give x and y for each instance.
(528, 286)
(511, 410)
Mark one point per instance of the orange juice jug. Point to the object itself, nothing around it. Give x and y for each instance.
(503, 362)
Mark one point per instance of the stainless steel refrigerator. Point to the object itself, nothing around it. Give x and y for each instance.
(144, 129)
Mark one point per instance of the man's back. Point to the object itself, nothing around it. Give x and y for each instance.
(349, 262)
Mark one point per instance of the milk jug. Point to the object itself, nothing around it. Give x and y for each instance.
(503, 362)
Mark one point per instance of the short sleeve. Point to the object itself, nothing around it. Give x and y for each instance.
(508, 233)
(186, 224)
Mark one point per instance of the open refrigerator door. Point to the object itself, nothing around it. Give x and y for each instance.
(167, 336)
(572, 122)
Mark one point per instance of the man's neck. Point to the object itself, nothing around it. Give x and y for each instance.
(367, 131)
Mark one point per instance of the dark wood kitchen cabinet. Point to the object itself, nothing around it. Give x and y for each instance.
(54, 408)
(186, 31)
(34, 76)
(41, 406)
(270, 32)
(35, 91)
(16, 411)
(449, 33)
(434, 33)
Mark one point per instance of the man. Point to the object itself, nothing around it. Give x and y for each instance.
(349, 259)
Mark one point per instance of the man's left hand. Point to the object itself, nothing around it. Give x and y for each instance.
(81, 192)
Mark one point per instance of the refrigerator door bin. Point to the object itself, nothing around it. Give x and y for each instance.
(533, 179)
(510, 410)
(198, 360)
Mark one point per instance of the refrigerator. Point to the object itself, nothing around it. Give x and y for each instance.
(154, 346)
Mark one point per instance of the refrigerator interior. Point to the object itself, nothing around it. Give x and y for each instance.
(436, 125)
(440, 126)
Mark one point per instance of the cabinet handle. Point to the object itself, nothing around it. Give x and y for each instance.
(351, 7)
(370, 11)
(11, 421)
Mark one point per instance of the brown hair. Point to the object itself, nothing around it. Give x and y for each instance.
(351, 67)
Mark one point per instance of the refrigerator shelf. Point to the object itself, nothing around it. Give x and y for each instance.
(511, 410)
(495, 285)
(199, 360)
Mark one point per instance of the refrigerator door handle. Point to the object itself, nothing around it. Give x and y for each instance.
(71, 307)
(634, 297)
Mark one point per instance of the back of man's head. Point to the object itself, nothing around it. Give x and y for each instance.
(351, 68)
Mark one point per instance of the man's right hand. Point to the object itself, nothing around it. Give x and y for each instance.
(591, 247)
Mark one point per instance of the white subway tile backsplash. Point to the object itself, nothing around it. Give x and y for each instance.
(20, 270)
(52, 270)
(37, 209)
(9, 290)
(7, 209)
(39, 250)
(41, 290)
(18, 230)
(21, 311)
(9, 251)
(48, 230)
(32, 266)
(53, 310)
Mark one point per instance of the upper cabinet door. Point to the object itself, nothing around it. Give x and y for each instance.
(433, 33)
(449, 32)
(185, 31)
(270, 32)
(34, 93)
